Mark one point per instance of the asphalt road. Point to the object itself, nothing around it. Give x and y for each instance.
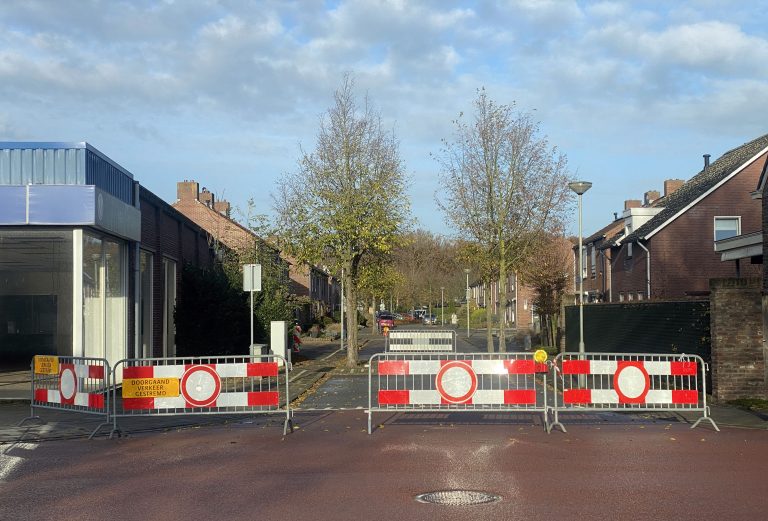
(331, 469)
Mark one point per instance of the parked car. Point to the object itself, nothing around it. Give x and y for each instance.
(385, 320)
(430, 320)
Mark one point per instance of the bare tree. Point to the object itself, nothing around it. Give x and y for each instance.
(427, 262)
(504, 188)
(549, 275)
(347, 200)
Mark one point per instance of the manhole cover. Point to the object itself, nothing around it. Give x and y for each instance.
(457, 497)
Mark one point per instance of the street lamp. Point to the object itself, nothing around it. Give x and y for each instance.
(580, 187)
(466, 270)
(442, 305)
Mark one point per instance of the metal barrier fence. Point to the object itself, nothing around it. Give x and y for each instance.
(207, 385)
(471, 382)
(409, 340)
(67, 383)
(629, 382)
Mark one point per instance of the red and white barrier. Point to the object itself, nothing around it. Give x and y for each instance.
(211, 385)
(616, 382)
(456, 381)
(78, 384)
(200, 385)
(631, 381)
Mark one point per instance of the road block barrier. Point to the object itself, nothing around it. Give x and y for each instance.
(208, 385)
(66, 383)
(629, 382)
(438, 382)
(419, 340)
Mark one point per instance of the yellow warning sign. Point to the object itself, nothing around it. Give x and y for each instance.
(540, 356)
(46, 364)
(150, 387)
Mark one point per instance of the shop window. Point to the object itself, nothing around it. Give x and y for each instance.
(35, 295)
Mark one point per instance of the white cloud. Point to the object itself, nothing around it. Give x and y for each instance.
(253, 78)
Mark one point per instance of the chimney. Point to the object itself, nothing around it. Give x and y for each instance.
(206, 198)
(187, 190)
(671, 186)
(651, 196)
(706, 161)
(632, 203)
(615, 216)
(222, 207)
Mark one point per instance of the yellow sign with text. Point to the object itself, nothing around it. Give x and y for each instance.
(46, 364)
(150, 387)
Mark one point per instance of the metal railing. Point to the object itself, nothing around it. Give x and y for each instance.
(409, 340)
(439, 382)
(629, 382)
(67, 383)
(202, 385)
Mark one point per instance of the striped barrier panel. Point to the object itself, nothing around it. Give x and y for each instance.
(432, 382)
(210, 385)
(79, 384)
(409, 341)
(629, 382)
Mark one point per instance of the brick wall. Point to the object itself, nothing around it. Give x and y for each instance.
(168, 234)
(738, 359)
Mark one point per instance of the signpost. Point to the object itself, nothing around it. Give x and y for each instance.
(251, 283)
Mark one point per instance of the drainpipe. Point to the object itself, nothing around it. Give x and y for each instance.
(647, 270)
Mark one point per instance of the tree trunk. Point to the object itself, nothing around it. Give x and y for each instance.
(502, 297)
(488, 318)
(351, 309)
(374, 328)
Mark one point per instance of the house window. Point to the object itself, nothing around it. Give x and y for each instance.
(639, 295)
(726, 227)
(593, 262)
(629, 297)
(621, 297)
(629, 250)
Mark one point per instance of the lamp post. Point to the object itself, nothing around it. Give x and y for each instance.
(442, 305)
(466, 270)
(580, 187)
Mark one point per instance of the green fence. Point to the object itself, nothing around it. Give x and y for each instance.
(642, 327)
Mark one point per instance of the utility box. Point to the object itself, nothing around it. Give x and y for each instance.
(278, 339)
(259, 349)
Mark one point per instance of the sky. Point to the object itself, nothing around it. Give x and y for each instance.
(227, 93)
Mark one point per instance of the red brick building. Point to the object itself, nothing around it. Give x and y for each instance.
(169, 240)
(315, 284)
(667, 248)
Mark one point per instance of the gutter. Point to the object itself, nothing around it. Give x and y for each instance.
(647, 270)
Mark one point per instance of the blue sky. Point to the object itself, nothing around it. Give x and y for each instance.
(226, 92)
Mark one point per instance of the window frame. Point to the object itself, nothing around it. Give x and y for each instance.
(717, 218)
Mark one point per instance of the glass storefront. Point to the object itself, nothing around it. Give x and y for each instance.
(145, 303)
(35, 295)
(104, 298)
(41, 285)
